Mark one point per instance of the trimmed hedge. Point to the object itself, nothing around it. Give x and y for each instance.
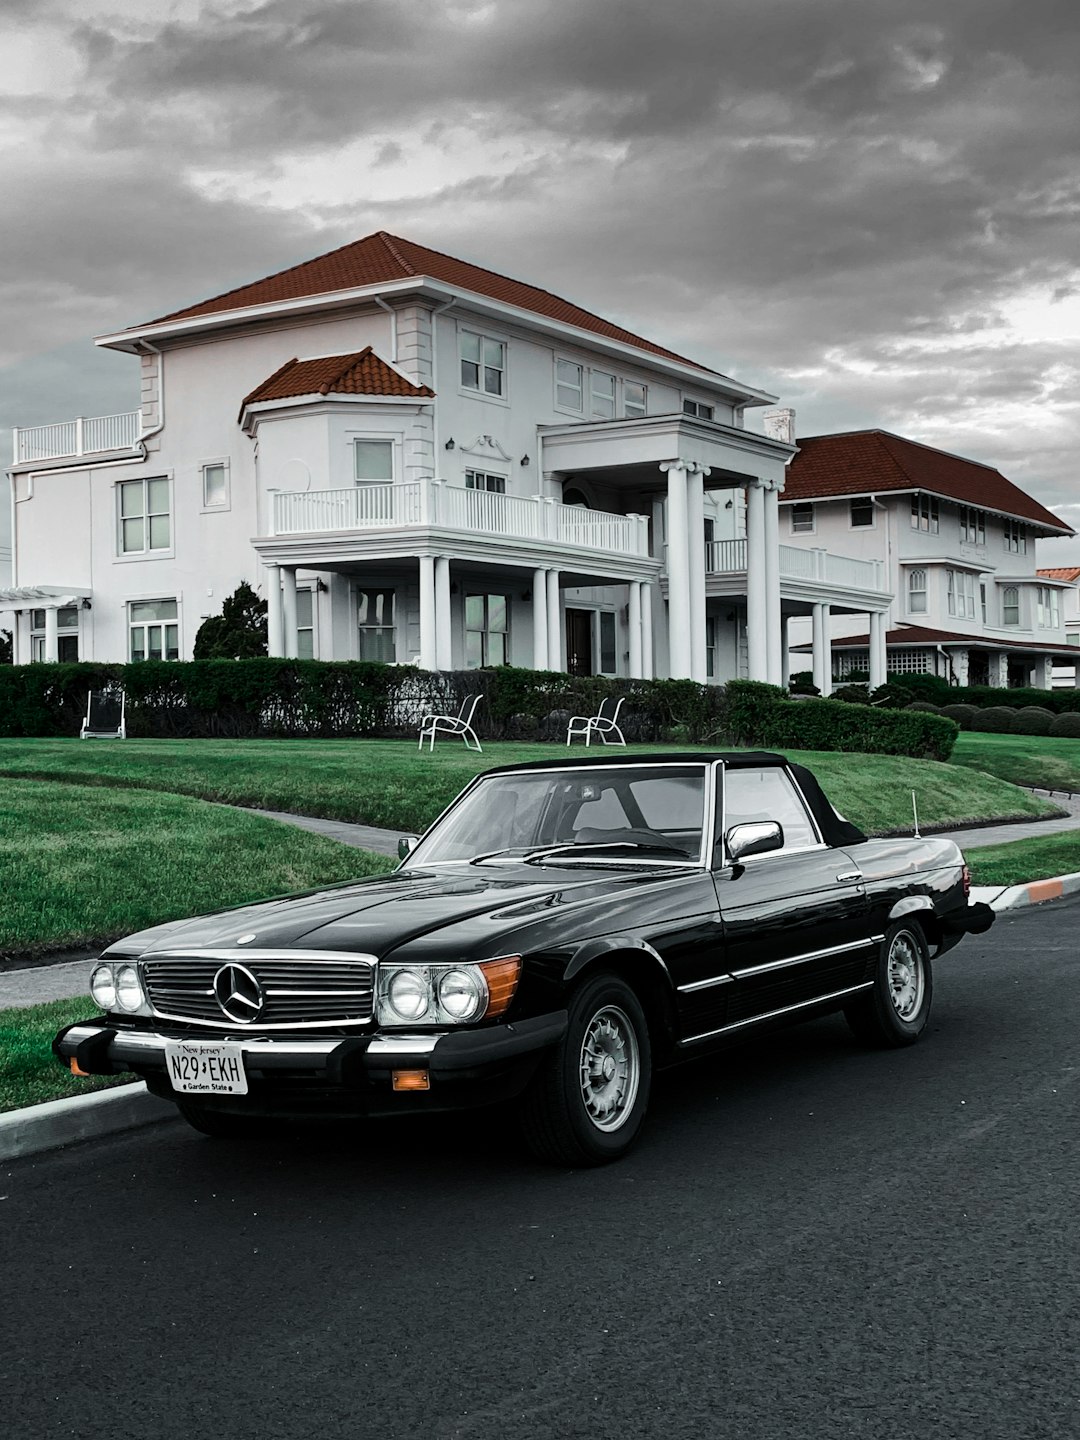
(1032, 720)
(994, 720)
(314, 698)
(962, 714)
(1067, 725)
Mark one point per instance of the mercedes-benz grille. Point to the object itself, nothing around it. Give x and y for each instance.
(288, 992)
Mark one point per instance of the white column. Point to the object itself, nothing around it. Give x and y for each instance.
(878, 663)
(635, 630)
(52, 640)
(554, 624)
(785, 652)
(678, 560)
(540, 620)
(427, 613)
(772, 585)
(756, 584)
(444, 644)
(288, 611)
(695, 524)
(274, 635)
(822, 650)
(648, 664)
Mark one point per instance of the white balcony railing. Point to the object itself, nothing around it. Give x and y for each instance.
(433, 503)
(77, 437)
(725, 557)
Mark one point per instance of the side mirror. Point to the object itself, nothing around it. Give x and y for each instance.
(754, 839)
(406, 845)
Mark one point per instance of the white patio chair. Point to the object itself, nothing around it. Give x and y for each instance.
(604, 724)
(105, 719)
(453, 725)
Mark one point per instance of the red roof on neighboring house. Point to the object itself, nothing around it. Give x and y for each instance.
(382, 258)
(924, 635)
(864, 462)
(360, 373)
(1070, 573)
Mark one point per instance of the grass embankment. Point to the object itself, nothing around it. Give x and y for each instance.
(386, 783)
(1050, 761)
(82, 864)
(1017, 861)
(29, 1074)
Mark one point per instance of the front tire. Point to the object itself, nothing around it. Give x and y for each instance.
(586, 1104)
(895, 1012)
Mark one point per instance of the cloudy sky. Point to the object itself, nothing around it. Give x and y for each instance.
(869, 207)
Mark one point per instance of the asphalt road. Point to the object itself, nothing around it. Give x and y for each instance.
(811, 1241)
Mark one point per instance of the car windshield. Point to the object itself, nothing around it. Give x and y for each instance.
(611, 813)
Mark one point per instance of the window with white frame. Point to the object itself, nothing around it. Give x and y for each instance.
(910, 662)
(925, 513)
(483, 364)
(982, 600)
(153, 631)
(1015, 537)
(802, 518)
(483, 480)
(67, 635)
(1047, 607)
(710, 646)
(601, 395)
(1010, 605)
(145, 521)
(961, 591)
(862, 512)
(698, 409)
(569, 394)
(634, 398)
(608, 628)
(972, 525)
(215, 485)
(305, 624)
(916, 592)
(487, 630)
(375, 622)
(373, 462)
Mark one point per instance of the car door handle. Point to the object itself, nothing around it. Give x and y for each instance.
(849, 875)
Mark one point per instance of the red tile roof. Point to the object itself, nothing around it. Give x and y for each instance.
(361, 373)
(1071, 573)
(382, 258)
(924, 635)
(864, 462)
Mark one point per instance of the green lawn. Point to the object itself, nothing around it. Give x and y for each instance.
(1051, 761)
(29, 1073)
(1019, 860)
(84, 864)
(385, 782)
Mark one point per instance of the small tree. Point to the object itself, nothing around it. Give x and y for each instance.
(238, 633)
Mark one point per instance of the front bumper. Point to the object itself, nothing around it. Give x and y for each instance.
(332, 1075)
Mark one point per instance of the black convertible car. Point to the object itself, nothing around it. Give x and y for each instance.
(561, 931)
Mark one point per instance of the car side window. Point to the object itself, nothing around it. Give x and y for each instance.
(767, 794)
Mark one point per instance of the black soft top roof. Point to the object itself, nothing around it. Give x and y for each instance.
(835, 830)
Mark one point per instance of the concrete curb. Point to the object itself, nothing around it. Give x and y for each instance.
(1034, 892)
(79, 1117)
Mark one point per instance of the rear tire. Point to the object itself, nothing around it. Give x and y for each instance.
(895, 1012)
(586, 1104)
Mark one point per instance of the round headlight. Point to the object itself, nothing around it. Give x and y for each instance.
(103, 987)
(409, 994)
(129, 993)
(461, 994)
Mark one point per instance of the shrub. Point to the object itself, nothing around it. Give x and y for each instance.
(962, 714)
(238, 633)
(994, 720)
(1067, 724)
(1032, 720)
(925, 706)
(767, 718)
(852, 694)
(926, 687)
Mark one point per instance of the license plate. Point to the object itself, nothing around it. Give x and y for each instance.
(199, 1067)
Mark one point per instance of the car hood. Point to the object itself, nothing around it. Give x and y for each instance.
(377, 915)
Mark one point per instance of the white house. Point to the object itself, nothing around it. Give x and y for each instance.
(419, 460)
(956, 541)
(1066, 671)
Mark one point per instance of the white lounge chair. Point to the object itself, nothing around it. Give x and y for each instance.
(105, 718)
(453, 725)
(604, 724)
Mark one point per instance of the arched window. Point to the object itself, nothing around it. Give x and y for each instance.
(1010, 605)
(916, 592)
(574, 497)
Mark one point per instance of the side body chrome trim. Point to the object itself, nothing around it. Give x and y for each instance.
(773, 1014)
(729, 978)
(706, 984)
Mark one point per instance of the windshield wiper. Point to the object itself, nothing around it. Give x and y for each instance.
(642, 846)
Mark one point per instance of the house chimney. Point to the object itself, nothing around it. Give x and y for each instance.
(780, 425)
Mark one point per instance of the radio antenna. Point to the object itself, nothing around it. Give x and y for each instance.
(915, 812)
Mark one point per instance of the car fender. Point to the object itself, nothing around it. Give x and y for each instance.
(592, 950)
(908, 905)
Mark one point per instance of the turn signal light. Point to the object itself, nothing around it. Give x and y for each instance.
(75, 1068)
(411, 1080)
(502, 980)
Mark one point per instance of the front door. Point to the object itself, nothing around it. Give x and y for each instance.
(579, 642)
